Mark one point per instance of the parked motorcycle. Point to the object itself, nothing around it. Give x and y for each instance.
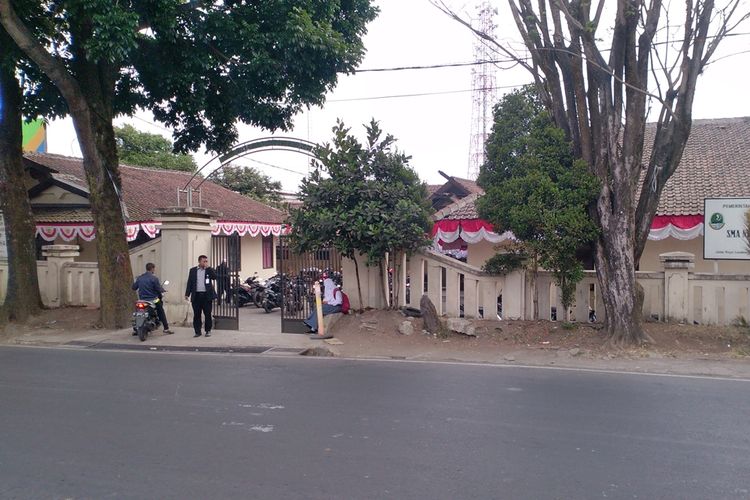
(245, 292)
(145, 318)
(272, 293)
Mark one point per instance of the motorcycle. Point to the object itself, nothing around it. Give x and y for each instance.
(272, 294)
(246, 292)
(145, 318)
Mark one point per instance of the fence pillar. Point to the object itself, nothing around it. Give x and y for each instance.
(185, 234)
(514, 292)
(676, 286)
(435, 286)
(452, 292)
(471, 306)
(416, 279)
(57, 257)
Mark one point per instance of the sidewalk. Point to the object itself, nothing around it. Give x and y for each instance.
(260, 334)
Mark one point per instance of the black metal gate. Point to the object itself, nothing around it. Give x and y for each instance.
(298, 274)
(225, 259)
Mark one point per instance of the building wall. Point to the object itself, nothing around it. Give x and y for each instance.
(479, 253)
(251, 249)
(650, 257)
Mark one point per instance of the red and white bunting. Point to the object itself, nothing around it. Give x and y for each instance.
(72, 232)
(246, 229)
(681, 227)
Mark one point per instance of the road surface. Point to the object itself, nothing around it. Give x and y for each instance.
(98, 424)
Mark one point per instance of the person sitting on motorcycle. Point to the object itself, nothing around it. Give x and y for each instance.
(149, 288)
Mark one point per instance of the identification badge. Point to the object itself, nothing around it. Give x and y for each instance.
(208, 281)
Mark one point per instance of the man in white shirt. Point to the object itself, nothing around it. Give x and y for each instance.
(331, 303)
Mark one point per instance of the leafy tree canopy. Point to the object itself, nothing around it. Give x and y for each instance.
(200, 66)
(535, 188)
(150, 150)
(361, 198)
(249, 182)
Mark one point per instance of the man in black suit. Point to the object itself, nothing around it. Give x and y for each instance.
(200, 292)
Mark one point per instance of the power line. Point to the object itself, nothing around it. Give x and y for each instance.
(422, 94)
(274, 166)
(498, 61)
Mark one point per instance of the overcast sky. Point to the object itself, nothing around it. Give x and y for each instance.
(434, 128)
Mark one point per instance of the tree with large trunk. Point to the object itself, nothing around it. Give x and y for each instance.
(198, 66)
(601, 87)
(23, 298)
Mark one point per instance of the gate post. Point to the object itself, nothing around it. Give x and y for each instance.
(185, 234)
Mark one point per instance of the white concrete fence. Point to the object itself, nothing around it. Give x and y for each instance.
(65, 282)
(675, 294)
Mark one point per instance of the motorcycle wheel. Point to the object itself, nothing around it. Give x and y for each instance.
(258, 299)
(267, 306)
(143, 332)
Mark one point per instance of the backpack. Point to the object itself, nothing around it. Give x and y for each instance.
(344, 303)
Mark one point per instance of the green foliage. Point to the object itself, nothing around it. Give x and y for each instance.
(536, 189)
(199, 66)
(249, 182)
(361, 198)
(150, 150)
(505, 263)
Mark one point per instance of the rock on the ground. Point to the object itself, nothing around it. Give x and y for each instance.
(508, 357)
(575, 351)
(429, 314)
(461, 325)
(406, 328)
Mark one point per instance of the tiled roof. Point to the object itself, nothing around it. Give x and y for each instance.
(463, 209)
(469, 185)
(432, 188)
(715, 164)
(146, 190)
(51, 215)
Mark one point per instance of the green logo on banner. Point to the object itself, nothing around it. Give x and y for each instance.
(717, 221)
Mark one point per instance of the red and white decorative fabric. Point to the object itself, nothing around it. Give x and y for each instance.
(151, 228)
(681, 227)
(469, 230)
(246, 228)
(69, 232)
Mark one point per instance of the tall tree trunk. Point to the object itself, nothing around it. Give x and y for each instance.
(92, 113)
(97, 139)
(23, 298)
(615, 268)
(359, 283)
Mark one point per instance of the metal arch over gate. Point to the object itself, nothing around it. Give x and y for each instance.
(298, 274)
(247, 148)
(225, 259)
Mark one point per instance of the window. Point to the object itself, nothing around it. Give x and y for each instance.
(267, 252)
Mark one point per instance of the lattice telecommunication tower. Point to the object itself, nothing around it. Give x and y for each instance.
(482, 89)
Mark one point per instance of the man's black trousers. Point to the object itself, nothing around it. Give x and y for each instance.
(202, 303)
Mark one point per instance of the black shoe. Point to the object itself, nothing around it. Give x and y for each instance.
(168, 332)
(208, 334)
(196, 335)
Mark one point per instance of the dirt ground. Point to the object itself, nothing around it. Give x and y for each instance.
(65, 323)
(376, 334)
(372, 330)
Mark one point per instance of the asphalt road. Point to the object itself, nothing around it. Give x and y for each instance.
(93, 424)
